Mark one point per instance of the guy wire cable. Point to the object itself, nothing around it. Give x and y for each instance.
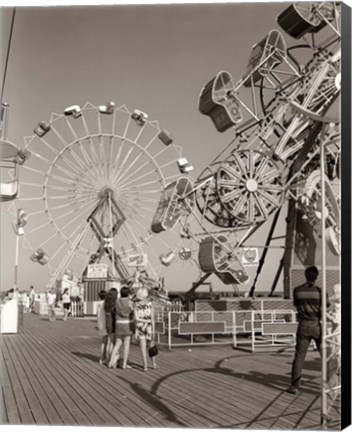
(8, 53)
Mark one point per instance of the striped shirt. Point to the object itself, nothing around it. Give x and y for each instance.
(308, 301)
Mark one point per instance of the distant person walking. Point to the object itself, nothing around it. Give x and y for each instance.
(66, 302)
(124, 329)
(51, 300)
(307, 299)
(31, 298)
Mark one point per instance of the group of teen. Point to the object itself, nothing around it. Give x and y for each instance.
(118, 319)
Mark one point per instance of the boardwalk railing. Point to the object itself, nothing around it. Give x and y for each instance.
(265, 329)
(258, 329)
(180, 328)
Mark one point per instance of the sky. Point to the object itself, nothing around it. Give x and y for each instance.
(155, 58)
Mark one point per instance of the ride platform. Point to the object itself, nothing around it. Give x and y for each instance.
(50, 375)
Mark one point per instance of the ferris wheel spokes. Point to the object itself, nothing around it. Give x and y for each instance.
(67, 258)
(147, 163)
(87, 151)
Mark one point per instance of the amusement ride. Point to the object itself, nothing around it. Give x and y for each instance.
(106, 183)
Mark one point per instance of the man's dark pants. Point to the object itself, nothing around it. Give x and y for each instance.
(307, 330)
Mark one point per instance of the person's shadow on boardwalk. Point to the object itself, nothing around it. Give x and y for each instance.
(91, 357)
(275, 381)
(155, 403)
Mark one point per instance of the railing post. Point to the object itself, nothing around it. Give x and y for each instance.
(169, 331)
(253, 332)
(324, 408)
(234, 332)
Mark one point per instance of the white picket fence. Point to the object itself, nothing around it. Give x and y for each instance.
(77, 309)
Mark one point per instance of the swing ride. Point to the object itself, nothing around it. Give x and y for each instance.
(274, 155)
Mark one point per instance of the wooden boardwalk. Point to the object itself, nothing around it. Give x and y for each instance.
(50, 375)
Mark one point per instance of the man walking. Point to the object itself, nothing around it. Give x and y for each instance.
(307, 299)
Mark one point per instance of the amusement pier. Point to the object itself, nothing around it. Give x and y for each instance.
(148, 286)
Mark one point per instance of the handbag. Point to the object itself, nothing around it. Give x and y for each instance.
(153, 351)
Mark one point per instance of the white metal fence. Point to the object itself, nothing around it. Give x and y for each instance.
(251, 329)
(265, 329)
(180, 328)
(332, 387)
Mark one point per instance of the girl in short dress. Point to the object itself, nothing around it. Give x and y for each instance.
(124, 328)
(143, 311)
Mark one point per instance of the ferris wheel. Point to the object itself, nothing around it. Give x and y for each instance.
(90, 188)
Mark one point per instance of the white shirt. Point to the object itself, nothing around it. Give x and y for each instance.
(51, 298)
(66, 298)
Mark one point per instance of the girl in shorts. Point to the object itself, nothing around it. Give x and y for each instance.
(124, 328)
(66, 302)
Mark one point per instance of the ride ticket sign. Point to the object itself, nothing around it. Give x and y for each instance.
(140, 260)
(97, 271)
(250, 257)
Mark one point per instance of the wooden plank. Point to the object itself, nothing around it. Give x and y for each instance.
(44, 390)
(252, 402)
(256, 365)
(71, 413)
(202, 406)
(187, 384)
(110, 383)
(207, 387)
(258, 391)
(134, 404)
(3, 414)
(10, 405)
(218, 412)
(34, 403)
(21, 402)
(100, 412)
(255, 389)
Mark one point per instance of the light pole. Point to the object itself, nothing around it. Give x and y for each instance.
(324, 408)
(18, 225)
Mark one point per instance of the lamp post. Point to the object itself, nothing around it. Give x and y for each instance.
(324, 407)
(18, 225)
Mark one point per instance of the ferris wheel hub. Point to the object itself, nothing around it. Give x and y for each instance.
(185, 253)
(106, 192)
(251, 185)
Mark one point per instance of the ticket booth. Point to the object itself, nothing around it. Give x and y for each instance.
(9, 317)
(96, 280)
